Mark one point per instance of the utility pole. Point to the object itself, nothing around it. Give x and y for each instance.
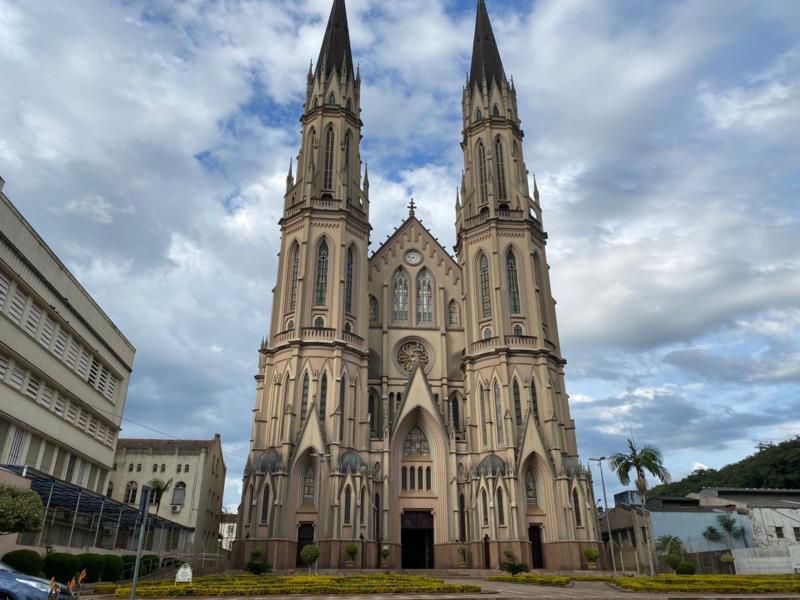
(599, 461)
(144, 510)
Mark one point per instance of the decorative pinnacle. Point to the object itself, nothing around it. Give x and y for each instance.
(412, 208)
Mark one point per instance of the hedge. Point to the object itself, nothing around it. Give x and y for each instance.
(551, 580)
(112, 567)
(713, 584)
(62, 566)
(94, 564)
(249, 585)
(24, 561)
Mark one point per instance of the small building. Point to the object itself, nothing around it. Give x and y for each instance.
(193, 473)
(630, 526)
(227, 530)
(774, 513)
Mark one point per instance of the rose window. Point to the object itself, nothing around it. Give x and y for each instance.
(413, 353)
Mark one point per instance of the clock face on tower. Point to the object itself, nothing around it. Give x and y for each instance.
(413, 257)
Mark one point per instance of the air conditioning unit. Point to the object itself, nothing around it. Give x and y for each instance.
(176, 508)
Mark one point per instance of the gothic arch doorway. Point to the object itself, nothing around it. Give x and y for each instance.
(417, 539)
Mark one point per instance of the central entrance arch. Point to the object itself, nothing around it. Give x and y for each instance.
(417, 539)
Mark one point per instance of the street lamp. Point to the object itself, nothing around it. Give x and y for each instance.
(599, 461)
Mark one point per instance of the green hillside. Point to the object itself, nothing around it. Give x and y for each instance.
(772, 466)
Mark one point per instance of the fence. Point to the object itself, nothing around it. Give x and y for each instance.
(763, 561)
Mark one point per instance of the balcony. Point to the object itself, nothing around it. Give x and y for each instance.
(318, 334)
(524, 341)
(487, 344)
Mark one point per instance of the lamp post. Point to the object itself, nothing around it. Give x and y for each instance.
(599, 461)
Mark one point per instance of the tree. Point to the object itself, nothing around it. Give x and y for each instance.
(158, 488)
(639, 461)
(712, 534)
(309, 555)
(670, 544)
(21, 510)
(732, 529)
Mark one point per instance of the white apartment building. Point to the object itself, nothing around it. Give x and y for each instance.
(193, 470)
(64, 366)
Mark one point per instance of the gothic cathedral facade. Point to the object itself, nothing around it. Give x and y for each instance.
(410, 402)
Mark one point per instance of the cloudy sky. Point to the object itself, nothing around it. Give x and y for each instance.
(148, 142)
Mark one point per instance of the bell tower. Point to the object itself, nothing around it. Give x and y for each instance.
(512, 361)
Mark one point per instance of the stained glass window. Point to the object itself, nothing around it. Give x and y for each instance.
(416, 444)
(498, 410)
(295, 277)
(513, 283)
(322, 274)
(576, 504)
(482, 182)
(348, 288)
(501, 169)
(424, 297)
(400, 294)
(517, 403)
(309, 483)
(329, 149)
(501, 513)
(530, 486)
(486, 301)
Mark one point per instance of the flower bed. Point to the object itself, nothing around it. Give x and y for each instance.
(250, 585)
(713, 584)
(551, 580)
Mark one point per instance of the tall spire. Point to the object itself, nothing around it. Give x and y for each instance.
(486, 60)
(335, 54)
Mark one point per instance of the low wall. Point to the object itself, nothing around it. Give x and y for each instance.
(763, 561)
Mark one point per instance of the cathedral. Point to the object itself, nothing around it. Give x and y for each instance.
(412, 402)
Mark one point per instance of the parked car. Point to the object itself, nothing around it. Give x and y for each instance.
(18, 586)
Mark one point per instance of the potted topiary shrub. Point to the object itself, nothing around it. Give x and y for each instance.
(351, 550)
(462, 552)
(256, 566)
(385, 557)
(309, 556)
(685, 568)
(591, 554)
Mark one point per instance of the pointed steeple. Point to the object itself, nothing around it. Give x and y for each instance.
(335, 54)
(486, 60)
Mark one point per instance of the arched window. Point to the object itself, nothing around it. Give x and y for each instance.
(484, 415)
(319, 323)
(362, 508)
(498, 411)
(538, 278)
(130, 492)
(349, 105)
(304, 399)
(290, 325)
(487, 333)
(179, 493)
(495, 111)
(518, 330)
(501, 513)
(500, 163)
(329, 149)
(348, 501)
(486, 299)
(462, 519)
(309, 483)
(534, 401)
(482, 178)
(342, 406)
(377, 517)
(424, 297)
(416, 444)
(400, 295)
(348, 286)
(347, 139)
(478, 115)
(373, 310)
(373, 416)
(323, 398)
(452, 313)
(531, 496)
(321, 290)
(294, 257)
(455, 416)
(348, 328)
(513, 283)
(577, 505)
(404, 478)
(316, 102)
(332, 99)
(485, 503)
(265, 505)
(286, 395)
(419, 479)
(517, 403)
(427, 478)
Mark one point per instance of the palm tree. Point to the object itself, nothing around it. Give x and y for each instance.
(712, 534)
(158, 487)
(670, 544)
(639, 461)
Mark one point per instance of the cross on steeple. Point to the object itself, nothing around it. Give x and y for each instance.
(412, 208)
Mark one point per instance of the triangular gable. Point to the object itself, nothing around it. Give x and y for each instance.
(532, 442)
(311, 434)
(382, 253)
(418, 393)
